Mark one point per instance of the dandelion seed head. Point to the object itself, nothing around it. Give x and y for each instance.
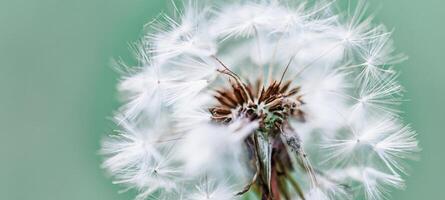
(286, 99)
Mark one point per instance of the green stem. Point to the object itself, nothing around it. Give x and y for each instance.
(295, 184)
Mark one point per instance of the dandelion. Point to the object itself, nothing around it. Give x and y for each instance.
(261, 99)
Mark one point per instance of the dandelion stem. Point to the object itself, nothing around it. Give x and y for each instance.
(294, 184)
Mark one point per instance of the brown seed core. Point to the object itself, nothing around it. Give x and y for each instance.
(256, 102)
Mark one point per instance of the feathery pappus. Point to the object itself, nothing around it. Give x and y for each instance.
(261, 99)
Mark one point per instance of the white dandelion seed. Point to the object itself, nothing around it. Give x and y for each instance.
(187, 36)
(204, 147)
(374, 181)
(211, 190)
(261, 99)
(396, 146)
(317, 194)
(377, 96)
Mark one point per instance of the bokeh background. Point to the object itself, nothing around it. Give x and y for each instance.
(57, 90)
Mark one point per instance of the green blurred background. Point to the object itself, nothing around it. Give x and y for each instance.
(57, 90)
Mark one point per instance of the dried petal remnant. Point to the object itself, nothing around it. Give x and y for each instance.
(275, 100)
